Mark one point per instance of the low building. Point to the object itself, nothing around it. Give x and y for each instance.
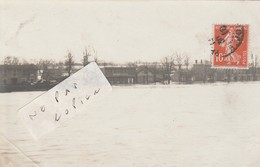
(182, 76)
(120, 75)
(17, 74)
(145, 75)
(251, 74)
(53, 73)
(159, 75)
(203, 72)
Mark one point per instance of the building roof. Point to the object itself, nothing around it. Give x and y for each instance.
(155, 70)
(118, 71)
(117, 67)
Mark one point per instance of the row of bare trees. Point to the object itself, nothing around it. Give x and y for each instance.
(169, 64)
(43, 65)
(11, 60)
(254, 64)
(173, 63)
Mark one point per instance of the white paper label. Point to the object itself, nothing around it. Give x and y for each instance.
(64, 100)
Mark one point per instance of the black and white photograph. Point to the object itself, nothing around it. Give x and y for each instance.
(146, 83)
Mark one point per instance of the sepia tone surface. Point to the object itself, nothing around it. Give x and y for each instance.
(149, 126)
(169, 106)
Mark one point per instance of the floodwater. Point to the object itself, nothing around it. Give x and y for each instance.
(214, 125)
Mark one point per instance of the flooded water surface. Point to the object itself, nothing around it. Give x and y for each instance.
(215, 125)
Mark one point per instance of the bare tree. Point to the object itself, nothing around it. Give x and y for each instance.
(132, 64)
(25, 62)
(15, 61)
(44, 68)
(7, 60)
(89, 55)
(187, 61)
(96, 59)
(179, 59)
(86, 55)
(254, 64)
(69, 62)
(168, 66)
(10, 60)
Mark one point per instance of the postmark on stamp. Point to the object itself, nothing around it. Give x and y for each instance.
(230, 46)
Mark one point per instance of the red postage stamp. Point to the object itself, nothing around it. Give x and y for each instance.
(230, 46)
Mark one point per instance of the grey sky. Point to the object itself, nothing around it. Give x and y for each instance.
(119, 31)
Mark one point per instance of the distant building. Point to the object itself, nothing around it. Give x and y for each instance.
(145, 75)
(52, 74)
(17, 74)
(149, 74)
(182, 76)
(202, 71)
(60, 72)
(251, 74)
(120, 75)
(159, 74)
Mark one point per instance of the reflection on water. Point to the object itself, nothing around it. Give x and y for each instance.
(174, 126)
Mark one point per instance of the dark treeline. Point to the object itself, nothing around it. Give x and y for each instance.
(173, 68)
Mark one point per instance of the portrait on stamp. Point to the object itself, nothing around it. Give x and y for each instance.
(230, 46)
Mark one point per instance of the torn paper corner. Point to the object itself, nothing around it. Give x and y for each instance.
(64, 100)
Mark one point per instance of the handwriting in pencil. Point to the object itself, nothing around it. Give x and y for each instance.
(57, 119)
(96, 91)
(67, 91)
(75, 85)
(31, 116)
(73, 102)
(87, 97)
(42, 108)
(57, 96)
(66, 111)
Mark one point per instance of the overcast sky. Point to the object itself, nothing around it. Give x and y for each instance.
(119, 31)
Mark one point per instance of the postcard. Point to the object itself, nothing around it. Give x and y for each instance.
(129, 83)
